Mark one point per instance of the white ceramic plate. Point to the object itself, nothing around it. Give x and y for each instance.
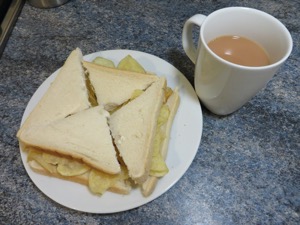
(185, 139)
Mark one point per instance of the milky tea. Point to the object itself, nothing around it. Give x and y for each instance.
(239, 50)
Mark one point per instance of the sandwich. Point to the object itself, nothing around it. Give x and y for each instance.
(162, 138)
(76, 148)
(102, 127)
(67, 95)
(141, 130)
(113, 87)
(133, 128)
(84, 136)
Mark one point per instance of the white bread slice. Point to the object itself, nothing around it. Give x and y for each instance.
(173, 102)
(133, 128)
(66, 95)
(113, 87)
(120, 187)
(84, 136)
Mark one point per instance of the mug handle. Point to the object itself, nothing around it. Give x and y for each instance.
(187, 38)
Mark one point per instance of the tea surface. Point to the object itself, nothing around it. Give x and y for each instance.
(239, 50)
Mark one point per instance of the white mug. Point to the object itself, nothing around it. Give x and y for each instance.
(222, 86)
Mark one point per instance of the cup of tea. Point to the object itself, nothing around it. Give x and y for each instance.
(239, 50)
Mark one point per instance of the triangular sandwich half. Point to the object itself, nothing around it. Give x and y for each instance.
(113, 87)
(84, 136)
(133, 128)
(172, 104)
(67, 95)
